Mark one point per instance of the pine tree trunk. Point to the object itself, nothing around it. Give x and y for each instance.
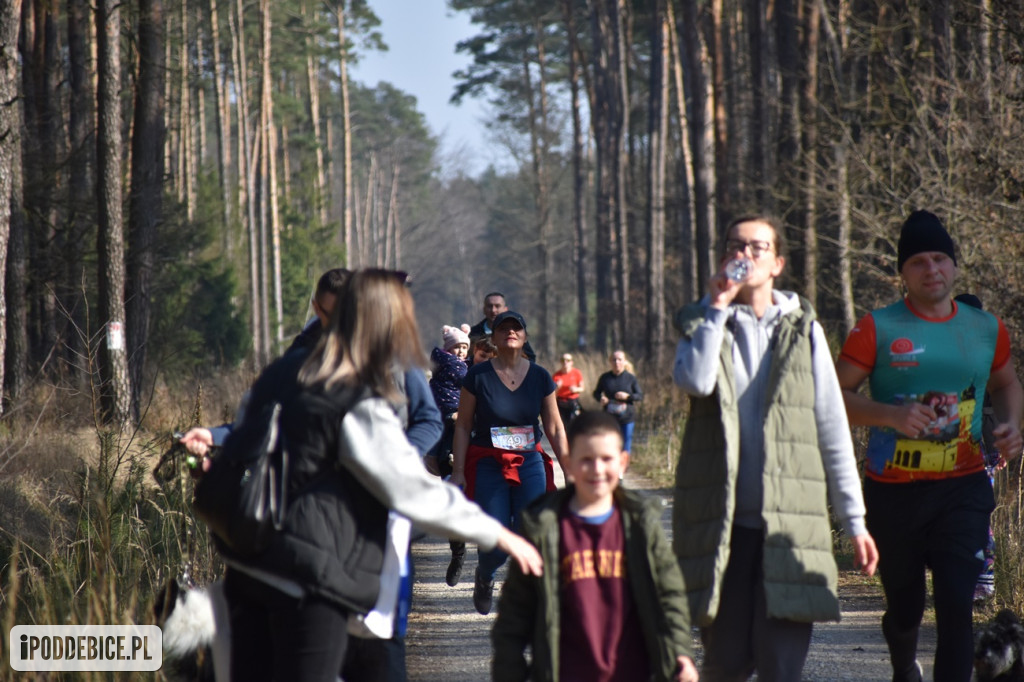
(10, 20)
(622, 175)
(263, 220)
(658, 130)
(247, 174)
(538, 114)
(16, 300)
(361, 246)
(202, 146)
(186, 124)
(787, 36)
(578, 186)
(145, 210)
(171, 140)
(41, 74)
(687, 256)
(223, 129)
(346, 123)
(376, 255)
(285, 174)
(313, 82)
(757, 32)
(720, 75)
(809, 143)
(697, 81)
(270, 145)
(396, 223)
(391, 225)
(81, 164)
(116, 386)
(607, 125)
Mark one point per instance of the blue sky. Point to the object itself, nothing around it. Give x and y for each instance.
(421, 36)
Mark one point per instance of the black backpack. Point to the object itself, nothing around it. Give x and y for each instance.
(243, 497)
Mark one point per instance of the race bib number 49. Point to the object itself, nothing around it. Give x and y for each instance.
(514, 438)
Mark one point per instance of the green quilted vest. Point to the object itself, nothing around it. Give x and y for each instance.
(799, 570)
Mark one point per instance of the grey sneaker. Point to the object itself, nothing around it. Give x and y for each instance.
(483, 593)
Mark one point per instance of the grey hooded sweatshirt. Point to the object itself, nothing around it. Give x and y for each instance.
(696, 371)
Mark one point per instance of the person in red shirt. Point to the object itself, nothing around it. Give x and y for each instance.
(569, 382)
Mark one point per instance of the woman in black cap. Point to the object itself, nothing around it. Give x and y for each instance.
(496, 449)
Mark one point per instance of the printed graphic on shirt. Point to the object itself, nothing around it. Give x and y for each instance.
(903, 353)
(944, 446)
(582, 564)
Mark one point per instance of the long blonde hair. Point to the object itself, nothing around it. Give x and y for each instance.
(372, 331)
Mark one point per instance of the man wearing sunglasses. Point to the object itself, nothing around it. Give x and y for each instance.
(765, 446)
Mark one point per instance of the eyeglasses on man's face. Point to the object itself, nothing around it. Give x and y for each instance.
(756, 247)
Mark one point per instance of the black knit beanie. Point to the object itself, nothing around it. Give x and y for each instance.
(923, 231)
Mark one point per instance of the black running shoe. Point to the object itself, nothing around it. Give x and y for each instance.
(454, 569)
(483, 593)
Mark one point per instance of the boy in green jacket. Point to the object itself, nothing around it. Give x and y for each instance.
(611, 605)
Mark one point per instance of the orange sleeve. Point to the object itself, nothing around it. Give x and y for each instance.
(860, 347)
(1002, 354)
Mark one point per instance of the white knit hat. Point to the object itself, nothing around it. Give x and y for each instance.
(453, 336)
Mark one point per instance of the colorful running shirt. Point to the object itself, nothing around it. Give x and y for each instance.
(944, 363)
(601, 637)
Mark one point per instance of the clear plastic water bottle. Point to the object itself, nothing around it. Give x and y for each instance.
(738, 269)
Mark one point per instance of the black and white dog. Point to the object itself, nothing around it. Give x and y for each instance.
(195, 626)
(999, 649)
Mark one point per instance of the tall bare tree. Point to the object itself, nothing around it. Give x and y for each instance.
(145, 204)
(223, 119)
(607, 121)
(657, 125)
(810, 39)
(269, 144)
(346, 131)
(115, 385)
(81, 193)
(699, 96)
(313, 88)
(10, 20)
(579, 202)
(688, 217)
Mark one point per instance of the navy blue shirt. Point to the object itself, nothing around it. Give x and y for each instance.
(496, 405)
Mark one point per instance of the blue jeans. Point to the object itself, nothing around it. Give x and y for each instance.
(627, 436)
(504, 502)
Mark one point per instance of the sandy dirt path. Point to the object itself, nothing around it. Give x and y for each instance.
(449, 641)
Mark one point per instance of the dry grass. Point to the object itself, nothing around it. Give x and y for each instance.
(87, 533)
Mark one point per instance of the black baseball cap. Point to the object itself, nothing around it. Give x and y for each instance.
(508, 315)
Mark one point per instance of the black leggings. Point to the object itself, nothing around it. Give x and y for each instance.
(941, 525)
(277, 637)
